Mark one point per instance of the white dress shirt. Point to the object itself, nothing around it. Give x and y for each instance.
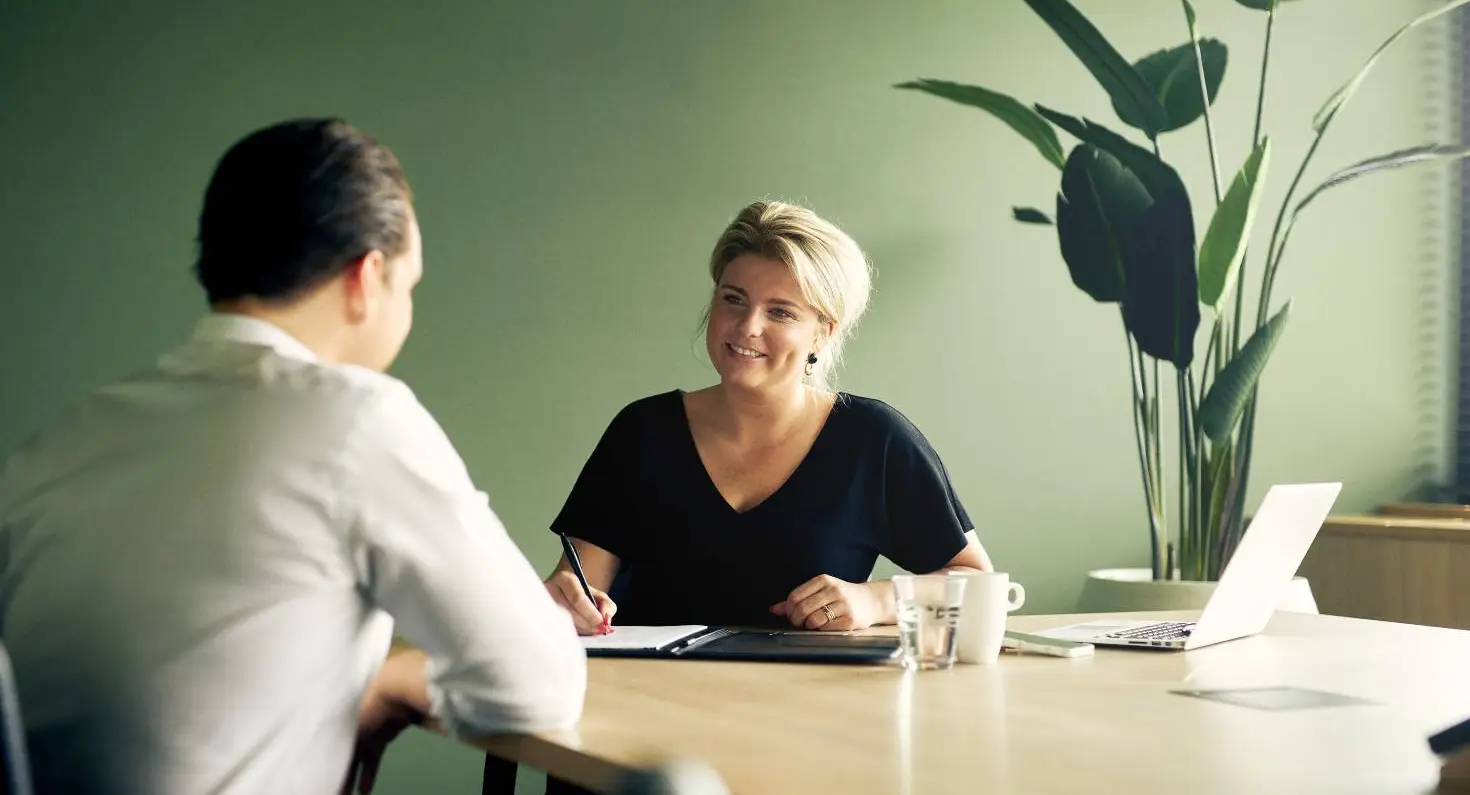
(201, 567)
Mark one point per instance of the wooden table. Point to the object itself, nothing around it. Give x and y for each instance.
(1035, 724)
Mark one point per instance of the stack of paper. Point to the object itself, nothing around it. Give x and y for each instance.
(624, 637)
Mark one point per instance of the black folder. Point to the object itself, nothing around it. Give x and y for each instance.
(763, 645)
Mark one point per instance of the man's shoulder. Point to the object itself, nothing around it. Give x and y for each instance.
(244, 369)
(259, 389)
(363, 403)
(354, 386)
(268, 405)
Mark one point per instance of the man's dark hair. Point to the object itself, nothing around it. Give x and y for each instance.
(289, 206)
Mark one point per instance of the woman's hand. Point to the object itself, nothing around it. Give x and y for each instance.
(590, 619)
(827, 603)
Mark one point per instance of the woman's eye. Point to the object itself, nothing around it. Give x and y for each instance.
(783, 314)
(732, 299)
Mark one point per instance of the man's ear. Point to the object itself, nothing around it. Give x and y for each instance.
(363, 284)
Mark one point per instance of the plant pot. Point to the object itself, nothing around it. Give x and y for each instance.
(1129, 590)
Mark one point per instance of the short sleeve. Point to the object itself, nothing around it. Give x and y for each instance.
(599, 508)
(926, 521)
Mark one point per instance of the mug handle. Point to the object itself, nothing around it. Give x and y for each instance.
(1015, 597)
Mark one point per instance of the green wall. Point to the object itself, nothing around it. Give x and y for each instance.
(575, 161)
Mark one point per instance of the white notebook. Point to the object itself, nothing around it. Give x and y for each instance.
(624, 637)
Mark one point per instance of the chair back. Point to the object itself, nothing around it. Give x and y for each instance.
(15, 763)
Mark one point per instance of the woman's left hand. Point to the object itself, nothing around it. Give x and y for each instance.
(827, 603)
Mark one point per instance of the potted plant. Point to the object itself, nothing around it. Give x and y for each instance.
(1125, 226)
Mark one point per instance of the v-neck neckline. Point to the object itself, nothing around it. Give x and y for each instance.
(714, 488)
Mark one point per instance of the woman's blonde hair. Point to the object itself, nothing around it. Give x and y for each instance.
(829, 267)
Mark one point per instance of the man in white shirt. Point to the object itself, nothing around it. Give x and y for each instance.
(202, 565)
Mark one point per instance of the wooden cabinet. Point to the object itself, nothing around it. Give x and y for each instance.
(1398, 565)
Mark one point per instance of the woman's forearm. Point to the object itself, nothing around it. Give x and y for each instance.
(885, 599)
(884, 604)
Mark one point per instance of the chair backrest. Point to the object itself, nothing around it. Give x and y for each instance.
(16, 774)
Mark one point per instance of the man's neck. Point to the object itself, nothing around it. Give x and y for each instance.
(296, 320)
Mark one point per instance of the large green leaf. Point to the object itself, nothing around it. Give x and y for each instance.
(1127, 88)
(1340, 98)
(1160, 291)
(1100, 202)
(1021, 118)
(1030, 215)
(1224, 403)
(1157, 176)
(1160, 300)
(1174, 78)
(1261, 5)
(1226, 239)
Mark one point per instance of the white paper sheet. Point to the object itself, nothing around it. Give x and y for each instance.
(634, 637)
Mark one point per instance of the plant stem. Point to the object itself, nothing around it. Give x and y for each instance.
(1214, 353)
(1217, 342)
(1273, 252)
(1255, 142)
(1186, 516)
(1246, 445)
(1194, 451)
(1140, 431)
(1204, 95)
(1216, 348)
(1245, 441)
(1157, 437)
(1230, 506)
(1265, 64)
(1201, 494)
(1209, 355)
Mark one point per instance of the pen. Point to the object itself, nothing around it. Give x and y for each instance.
(566, 545)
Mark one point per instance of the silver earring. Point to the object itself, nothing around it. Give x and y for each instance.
(811, 359)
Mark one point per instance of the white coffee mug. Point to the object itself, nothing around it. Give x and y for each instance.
(989, 599)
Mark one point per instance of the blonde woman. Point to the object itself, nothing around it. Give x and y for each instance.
(766, 498)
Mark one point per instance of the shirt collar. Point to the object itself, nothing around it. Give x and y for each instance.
(225, 327)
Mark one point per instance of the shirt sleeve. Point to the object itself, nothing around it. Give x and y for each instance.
(430, 551)
(598, 509)
(926, 521)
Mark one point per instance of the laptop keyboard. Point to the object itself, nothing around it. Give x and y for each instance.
(1169, 630)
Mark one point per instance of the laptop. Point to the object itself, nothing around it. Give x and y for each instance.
(1253, 583)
